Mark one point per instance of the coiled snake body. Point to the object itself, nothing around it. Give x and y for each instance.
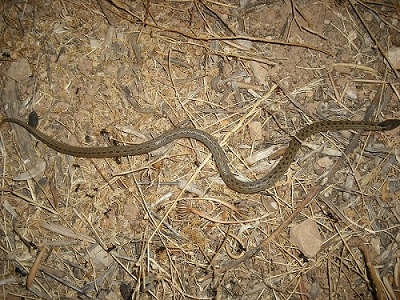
(247, 187)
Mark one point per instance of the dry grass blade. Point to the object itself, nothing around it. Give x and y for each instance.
(376, 282)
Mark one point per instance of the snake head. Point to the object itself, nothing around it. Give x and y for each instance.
(389, 124)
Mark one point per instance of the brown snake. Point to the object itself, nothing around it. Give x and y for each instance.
(247, 187)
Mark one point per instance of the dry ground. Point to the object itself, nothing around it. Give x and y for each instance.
(251, 73)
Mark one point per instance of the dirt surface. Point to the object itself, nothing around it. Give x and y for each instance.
(164, 225)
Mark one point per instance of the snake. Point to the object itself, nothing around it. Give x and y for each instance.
(247, 187)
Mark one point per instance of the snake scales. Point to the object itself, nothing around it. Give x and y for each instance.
(219, 156)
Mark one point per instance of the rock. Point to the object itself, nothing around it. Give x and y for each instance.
(306, 237)
(394, 57)
(20, 70)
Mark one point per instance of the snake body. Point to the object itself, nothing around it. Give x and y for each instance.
(221, 161)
